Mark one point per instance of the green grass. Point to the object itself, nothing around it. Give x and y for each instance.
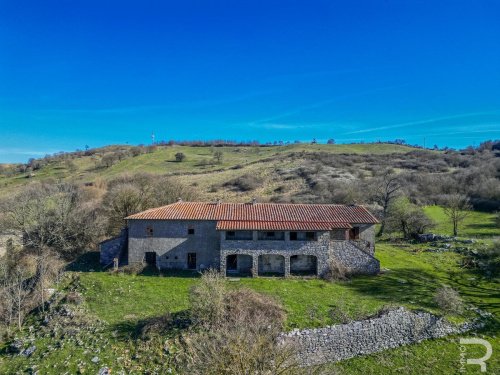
(123, 302)
(162, 161)
(410, 278)
(476, 224)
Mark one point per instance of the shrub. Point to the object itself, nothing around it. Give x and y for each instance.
(180, 157)
(336, 271)
(237, 332)
(208, 299)
(448, 300)
(132, 269)
(246, 182)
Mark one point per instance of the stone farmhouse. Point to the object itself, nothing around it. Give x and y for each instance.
(248, 238)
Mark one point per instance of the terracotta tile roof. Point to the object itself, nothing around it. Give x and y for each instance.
(263, 212)
(279, 225)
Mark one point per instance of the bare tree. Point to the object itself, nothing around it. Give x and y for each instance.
(53, 215)
(457, 208)
(387, 188)
(16, 296)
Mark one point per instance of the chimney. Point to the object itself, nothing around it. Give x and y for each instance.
(179, 199)
(254, 200)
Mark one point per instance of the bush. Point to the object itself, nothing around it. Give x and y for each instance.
(236, 332)
(448, 300)
(336, 271)
(180, 157)
(207, 299)
(246, 182)
(132, 269)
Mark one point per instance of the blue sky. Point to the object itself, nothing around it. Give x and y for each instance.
(76, 73)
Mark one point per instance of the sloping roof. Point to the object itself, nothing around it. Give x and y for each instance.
(259, 212)
(279, 225)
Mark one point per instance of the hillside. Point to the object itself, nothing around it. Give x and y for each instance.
(262, 163)
(296, 173)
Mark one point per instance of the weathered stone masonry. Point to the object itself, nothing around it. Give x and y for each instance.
(260, 238)
(395, 328)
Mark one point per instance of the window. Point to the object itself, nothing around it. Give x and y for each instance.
(293, 236)
(310, 236)
(271, 236)
(190, 230)
(149, 231)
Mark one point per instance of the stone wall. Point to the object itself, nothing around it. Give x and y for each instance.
(286, 248)
(172, 243)
(356, 257)
(393, 329)
(112, 248)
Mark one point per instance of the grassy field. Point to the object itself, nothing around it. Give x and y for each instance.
(476, 224)
(124, 302)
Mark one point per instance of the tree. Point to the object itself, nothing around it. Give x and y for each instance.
(457, 208)
(407, 218)
(180, 157)
(331, 141)
(387, 188)
(128, 195)
(56, 216)
(15, 292)
(218, 156)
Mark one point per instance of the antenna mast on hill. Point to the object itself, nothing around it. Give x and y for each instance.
(152, 138)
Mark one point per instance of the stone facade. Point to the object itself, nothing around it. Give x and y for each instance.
(172, 244)
(113, 248)
(395, 328)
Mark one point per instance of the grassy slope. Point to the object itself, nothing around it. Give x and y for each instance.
(162, 162)
(476, 224)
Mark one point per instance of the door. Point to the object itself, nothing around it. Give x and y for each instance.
(354, 233)
(232, 262)
(150, 258)
(191, 261)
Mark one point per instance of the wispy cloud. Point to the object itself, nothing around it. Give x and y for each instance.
(194, 104)
(25, 152)
(423, 122)
(312, 74)
(318, 104)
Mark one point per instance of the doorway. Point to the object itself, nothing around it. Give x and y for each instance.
(150, 258)
(354, 233)
(191, 261)
(232, 262)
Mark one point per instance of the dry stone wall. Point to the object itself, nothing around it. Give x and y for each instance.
(393, 329)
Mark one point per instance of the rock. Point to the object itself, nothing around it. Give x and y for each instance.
(15, 347)
(104, 371)
(29, 351)
(95, 359)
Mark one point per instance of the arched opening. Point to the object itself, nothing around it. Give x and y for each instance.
(271, 264)
(238, 264)
(303, 265)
